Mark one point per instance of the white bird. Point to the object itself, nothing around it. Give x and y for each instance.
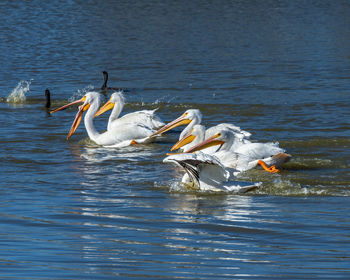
(193, 117)
(122, 133)
(198, 134)
(117, 102)
(246, 156)
(190, 118)
(206, 173)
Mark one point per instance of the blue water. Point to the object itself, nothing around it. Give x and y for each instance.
(74, 210)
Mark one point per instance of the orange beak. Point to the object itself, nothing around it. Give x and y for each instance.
(68, 105)
(108, 106)
(78, 116)
(179, 121)
(211, 141)
(184, 141)
(77, 119)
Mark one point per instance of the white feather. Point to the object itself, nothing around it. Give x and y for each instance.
(206, 173)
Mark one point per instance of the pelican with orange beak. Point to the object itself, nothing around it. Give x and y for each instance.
(198, 134)
(245, 157)
(193, 117)
(116, 104)
(123, 134)
(204, 172)
(190, 118)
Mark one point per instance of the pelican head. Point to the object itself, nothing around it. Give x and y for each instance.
(197, 134)
(223, 138)
(87, 100)
(116, 98)
(190, 116)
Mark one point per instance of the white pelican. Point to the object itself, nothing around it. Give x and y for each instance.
(193, 117)
(206, 173)
(123, 134)
(117, 102)
(246, 156)
(198, 134)
(190, 118)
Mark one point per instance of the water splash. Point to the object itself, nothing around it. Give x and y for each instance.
(162, 100)
(18, 94)
(80, 93)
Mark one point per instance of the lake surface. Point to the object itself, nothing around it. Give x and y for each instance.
(75, 210)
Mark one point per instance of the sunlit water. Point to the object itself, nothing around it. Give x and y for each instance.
(74, 210)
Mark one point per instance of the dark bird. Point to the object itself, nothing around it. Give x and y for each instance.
(104, 87)
(48, 99)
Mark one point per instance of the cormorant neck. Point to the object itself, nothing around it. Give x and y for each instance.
(105, 79)
(48, 99)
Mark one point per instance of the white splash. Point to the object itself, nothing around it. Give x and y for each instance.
(18, 94)
(80, 93)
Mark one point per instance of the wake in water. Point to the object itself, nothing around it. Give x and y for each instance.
(277, 186)
(302, 177)
(175, 186)
(18, 94)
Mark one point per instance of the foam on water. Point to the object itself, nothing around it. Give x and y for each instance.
(277, 187)
(18, 94)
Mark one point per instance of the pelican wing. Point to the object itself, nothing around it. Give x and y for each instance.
(208, 174)
(146, 118)
(236, 129)
(125, 133)
(204, 170)
(259, 150)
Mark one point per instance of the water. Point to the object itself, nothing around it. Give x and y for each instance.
(74, 210)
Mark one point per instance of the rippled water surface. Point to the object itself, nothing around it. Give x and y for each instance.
(75, 210)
